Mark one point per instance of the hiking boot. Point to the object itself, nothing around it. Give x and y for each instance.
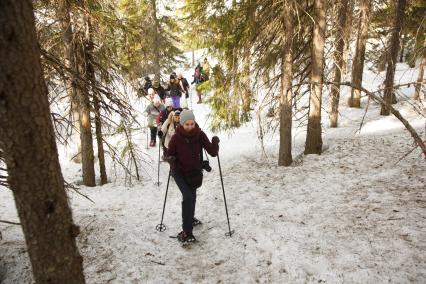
(186, 237)
(196, 222)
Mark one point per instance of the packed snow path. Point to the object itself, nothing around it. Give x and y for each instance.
(349, 215)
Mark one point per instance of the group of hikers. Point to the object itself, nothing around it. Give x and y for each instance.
(178, 86)
(181, 138)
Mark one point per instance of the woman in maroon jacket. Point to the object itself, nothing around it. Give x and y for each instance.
(185, 157)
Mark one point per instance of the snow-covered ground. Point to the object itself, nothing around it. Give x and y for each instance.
(355, 214)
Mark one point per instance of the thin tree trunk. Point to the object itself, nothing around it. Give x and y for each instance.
(393, 55)
(156, 47)
(28, 140)
(246, 81)
(63, 14)
(193, 57)
(401, 53)
(88, 159)
(247, 91)
(347, 37)
(91, 78)
(284, 156)
(313, 143)
(358, 63)
(421, 74)
(75, 58)
(132, 153)
(338, 61)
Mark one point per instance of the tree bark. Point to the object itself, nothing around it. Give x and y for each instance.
(338, 61)
(347, 37)
(313, 143)
(285, 157)
(80, 103)
(90, 73)
(393, 56)
(247, 92)
(86, 138)
(246, 82)
(421, 74)
(402, 49)
(63, 15)
(358, 63)
(156, 47)
(28, 140)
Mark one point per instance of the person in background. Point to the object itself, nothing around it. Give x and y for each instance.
(175, 91)
(197, 80)
(159, 90)
(206, 69)
(164, 114)
(147, 84)
(151, 112)
(184, 85)
(169, 128)
(151, 94)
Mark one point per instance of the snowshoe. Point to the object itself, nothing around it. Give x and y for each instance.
(196, 222)
(186, 238)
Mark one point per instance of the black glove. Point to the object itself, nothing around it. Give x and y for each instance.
(215, 140)
(160, 134)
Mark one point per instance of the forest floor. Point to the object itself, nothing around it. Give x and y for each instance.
(355, 214)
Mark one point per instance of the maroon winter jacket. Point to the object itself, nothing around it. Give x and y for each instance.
(185, 147)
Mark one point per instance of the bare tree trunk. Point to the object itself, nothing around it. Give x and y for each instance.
(421, 74)
(156, 47)
(402, 49)
(75, 58)
(393, 55)
(313, 143)
(358, 63)
(28, 140)
(88, 159)
(246, 81)
(285, 157)
(347, 36)
(247, 91)
(338, 61)
(193, 57)
(91, 78)
(63, 15)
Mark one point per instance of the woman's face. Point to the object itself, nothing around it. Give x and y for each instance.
(189, 125)
(176, 118)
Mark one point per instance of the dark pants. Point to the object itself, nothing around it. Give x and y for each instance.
(189, 198)
(153, 133)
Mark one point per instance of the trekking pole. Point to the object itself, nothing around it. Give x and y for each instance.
(161, 227)
(147, 137)
(158, 171)
(190, 97)
(229, 233)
